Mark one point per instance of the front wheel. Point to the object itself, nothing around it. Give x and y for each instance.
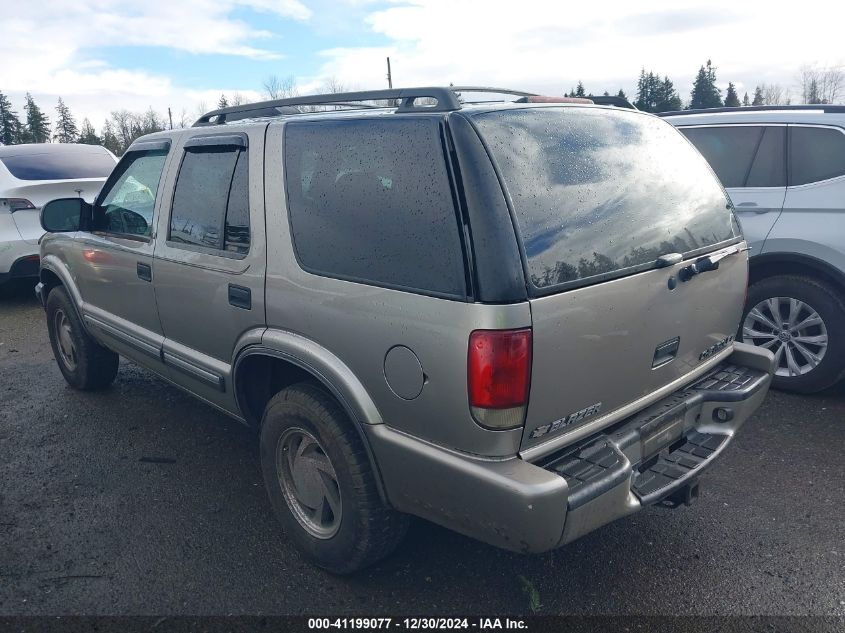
(802, 321)
(85, 364)
(321, 483)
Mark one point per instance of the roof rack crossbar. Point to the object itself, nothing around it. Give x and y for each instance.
(446, 101)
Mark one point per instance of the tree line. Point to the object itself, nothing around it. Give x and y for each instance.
(653, 94)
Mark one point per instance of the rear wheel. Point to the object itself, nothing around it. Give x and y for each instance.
(802, 321)
(85, 364)
(321, 483)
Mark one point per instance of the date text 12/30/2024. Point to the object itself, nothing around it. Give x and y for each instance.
(413, 624)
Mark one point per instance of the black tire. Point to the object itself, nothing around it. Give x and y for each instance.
(91, 366)
(828, 303)
(367, 529)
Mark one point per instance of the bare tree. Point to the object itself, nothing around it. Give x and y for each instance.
(821, 84)
(276, 88)
(334, 86)
(237, 99)
(775, 94)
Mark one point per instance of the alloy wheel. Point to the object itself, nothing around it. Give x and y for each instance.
(309, 483)
(792, 330)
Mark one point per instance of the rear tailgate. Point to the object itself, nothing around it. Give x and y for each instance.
(598, 348)
(610, 207)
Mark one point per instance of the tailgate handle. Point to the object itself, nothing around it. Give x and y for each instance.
(666, 352)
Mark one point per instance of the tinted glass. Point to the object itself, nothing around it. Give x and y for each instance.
(371, 201)
(62, 165)
(236, 238)
(127, 201)
(729, 150)
(596, 191)
(769, 167)
(206, 186)
(816, 154)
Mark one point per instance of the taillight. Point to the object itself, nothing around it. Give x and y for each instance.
(499, 377)
(16, 204)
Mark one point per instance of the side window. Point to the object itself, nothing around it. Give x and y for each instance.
(769, 167)
(127, 202)
(729, 150)
(815, 154)
(371, 201)
(211, 199)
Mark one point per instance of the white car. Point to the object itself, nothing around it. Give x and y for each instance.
(30, 176)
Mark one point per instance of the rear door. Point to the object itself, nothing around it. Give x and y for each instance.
(814, 210)
(209, 262)
(599, 196)
(750, 160)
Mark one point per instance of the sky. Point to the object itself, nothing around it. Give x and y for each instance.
(104, 55)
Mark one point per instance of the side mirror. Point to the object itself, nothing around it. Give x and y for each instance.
(65, 215)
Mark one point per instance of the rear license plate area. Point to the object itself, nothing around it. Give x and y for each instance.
(656, 436)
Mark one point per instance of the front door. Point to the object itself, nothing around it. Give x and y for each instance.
(116, 257)
(209, 260)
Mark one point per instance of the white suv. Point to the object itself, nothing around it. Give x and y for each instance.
(32, 175)
(784, 169)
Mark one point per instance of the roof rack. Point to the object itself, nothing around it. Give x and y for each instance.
(445, 99)
(826, 108)
(405, 99)
(619, 102)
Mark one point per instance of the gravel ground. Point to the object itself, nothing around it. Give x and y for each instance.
(141, 500)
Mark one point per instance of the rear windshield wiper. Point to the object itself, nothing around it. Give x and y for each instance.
(705, 264)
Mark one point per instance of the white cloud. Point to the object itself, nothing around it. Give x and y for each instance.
(46, 43)
(549, 45)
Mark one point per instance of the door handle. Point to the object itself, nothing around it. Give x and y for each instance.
(752, 207)
(145, 271)
(240, 297)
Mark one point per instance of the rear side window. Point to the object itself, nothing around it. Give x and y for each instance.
(815, 154)
(729, 150)
(598, 191)
(211, 200)
(63, 165)
(371, 201)
(769, 166)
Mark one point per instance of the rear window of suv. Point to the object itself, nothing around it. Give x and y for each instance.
(371, 201)
(63, 165)
(598, 193)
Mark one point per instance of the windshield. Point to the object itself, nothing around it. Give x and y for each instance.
(598, 192)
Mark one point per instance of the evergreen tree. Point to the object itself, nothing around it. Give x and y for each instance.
(731, 98)
(88, 135)
(622, 94)
(704, 93)
(656, 95)
(10, 125)
(66, 130)
(668, 98)
(606, 94)
(110, 140)
(37, 123)
(745, 100)
(758, 97)
(579, 91)
(223, 102)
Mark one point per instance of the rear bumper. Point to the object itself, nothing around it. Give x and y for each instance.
(529, 507)
(17, 262)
